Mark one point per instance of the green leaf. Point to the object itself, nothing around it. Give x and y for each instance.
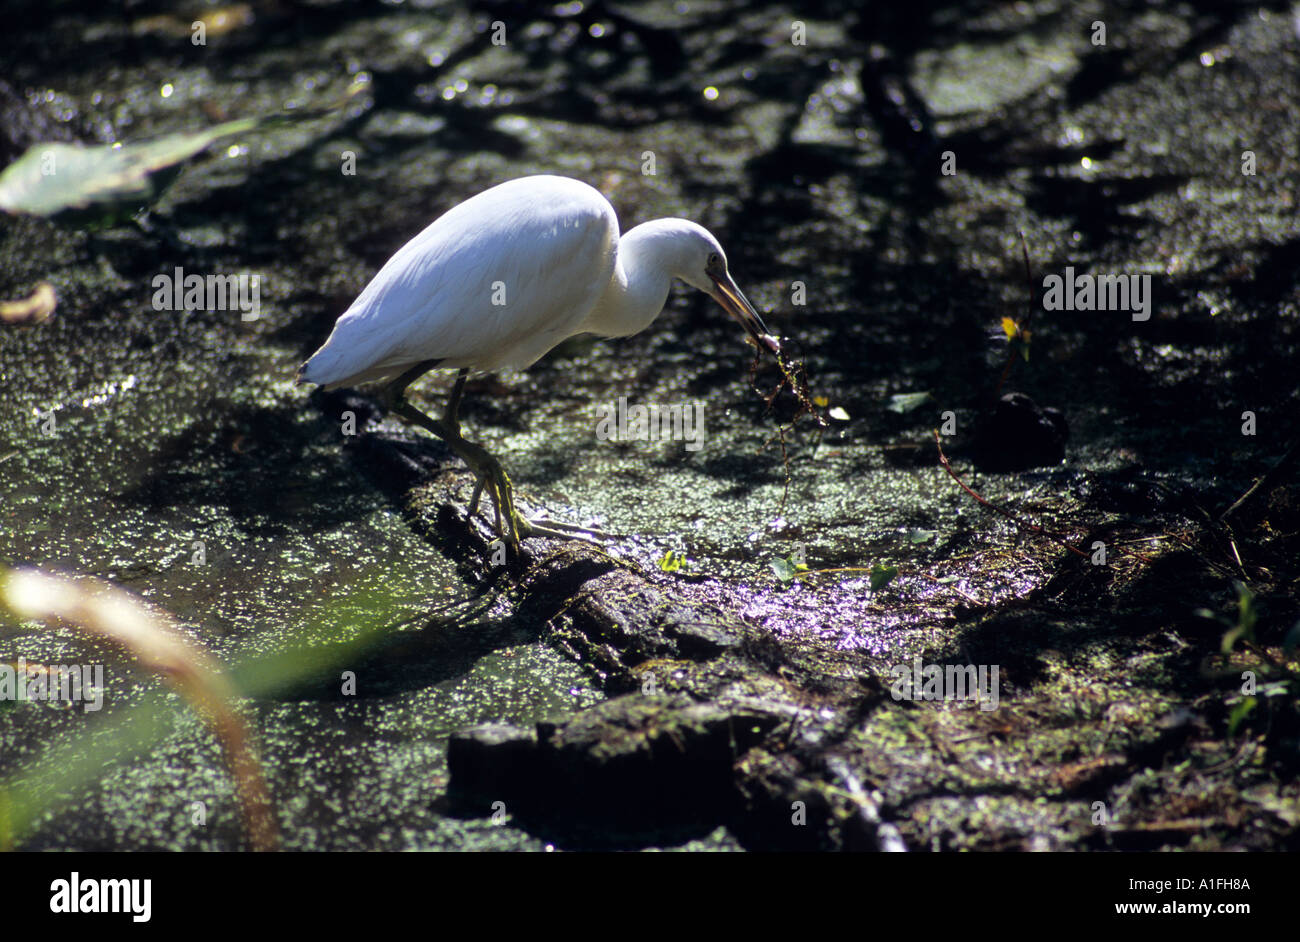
(881, 576)
(672, 561)
(783, 568)
(109, 183)
(917, 537)
(1246, 616)
(110, 180)
(1245, 608)
(906, 402)
(787, 570)
(1239, 713)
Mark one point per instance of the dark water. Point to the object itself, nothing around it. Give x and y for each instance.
(179, 433)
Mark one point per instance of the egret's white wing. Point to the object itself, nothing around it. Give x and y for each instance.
(496, 281)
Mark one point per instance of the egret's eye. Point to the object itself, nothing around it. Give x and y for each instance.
(713, 261)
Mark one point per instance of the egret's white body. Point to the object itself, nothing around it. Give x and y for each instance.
(501, 279)
(505, 276)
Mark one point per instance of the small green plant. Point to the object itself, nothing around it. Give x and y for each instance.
(882, 575)
(1244, 628)
(673, 561)
(787, 568)
(1246, 618)
(1239, 713)
(1017, 336)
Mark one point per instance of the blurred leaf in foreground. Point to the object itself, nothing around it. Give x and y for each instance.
(33, 309)
(103, 184)
(107, 612)
(110, 183)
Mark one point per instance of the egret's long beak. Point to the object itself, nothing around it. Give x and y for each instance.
(735, 303)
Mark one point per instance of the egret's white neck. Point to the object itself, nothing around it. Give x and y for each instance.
(649, 257)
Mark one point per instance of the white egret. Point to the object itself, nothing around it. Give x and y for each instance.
(498, 281)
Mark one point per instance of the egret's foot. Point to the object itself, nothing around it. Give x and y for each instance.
(524, 528)
(534, 528)
(571, 528)
(538, 526)
(510, 525)
(486, 468)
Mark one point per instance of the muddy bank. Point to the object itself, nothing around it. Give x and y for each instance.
(170, 452)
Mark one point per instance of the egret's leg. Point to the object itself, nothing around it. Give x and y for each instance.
(451, 417)
(473, 500)
(485, 466)
(396, 390)
(396, 396)
(487, 469)
(452, 414)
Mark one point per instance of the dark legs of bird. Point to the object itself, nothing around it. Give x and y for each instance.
(452, 415)
(487, 469)
(451, 418)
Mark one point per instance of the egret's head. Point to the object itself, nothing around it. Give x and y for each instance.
(703, 265)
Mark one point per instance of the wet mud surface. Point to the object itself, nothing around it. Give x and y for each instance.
(588, 697)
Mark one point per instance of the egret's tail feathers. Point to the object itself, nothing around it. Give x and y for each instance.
(331, 374)
(322, 368)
